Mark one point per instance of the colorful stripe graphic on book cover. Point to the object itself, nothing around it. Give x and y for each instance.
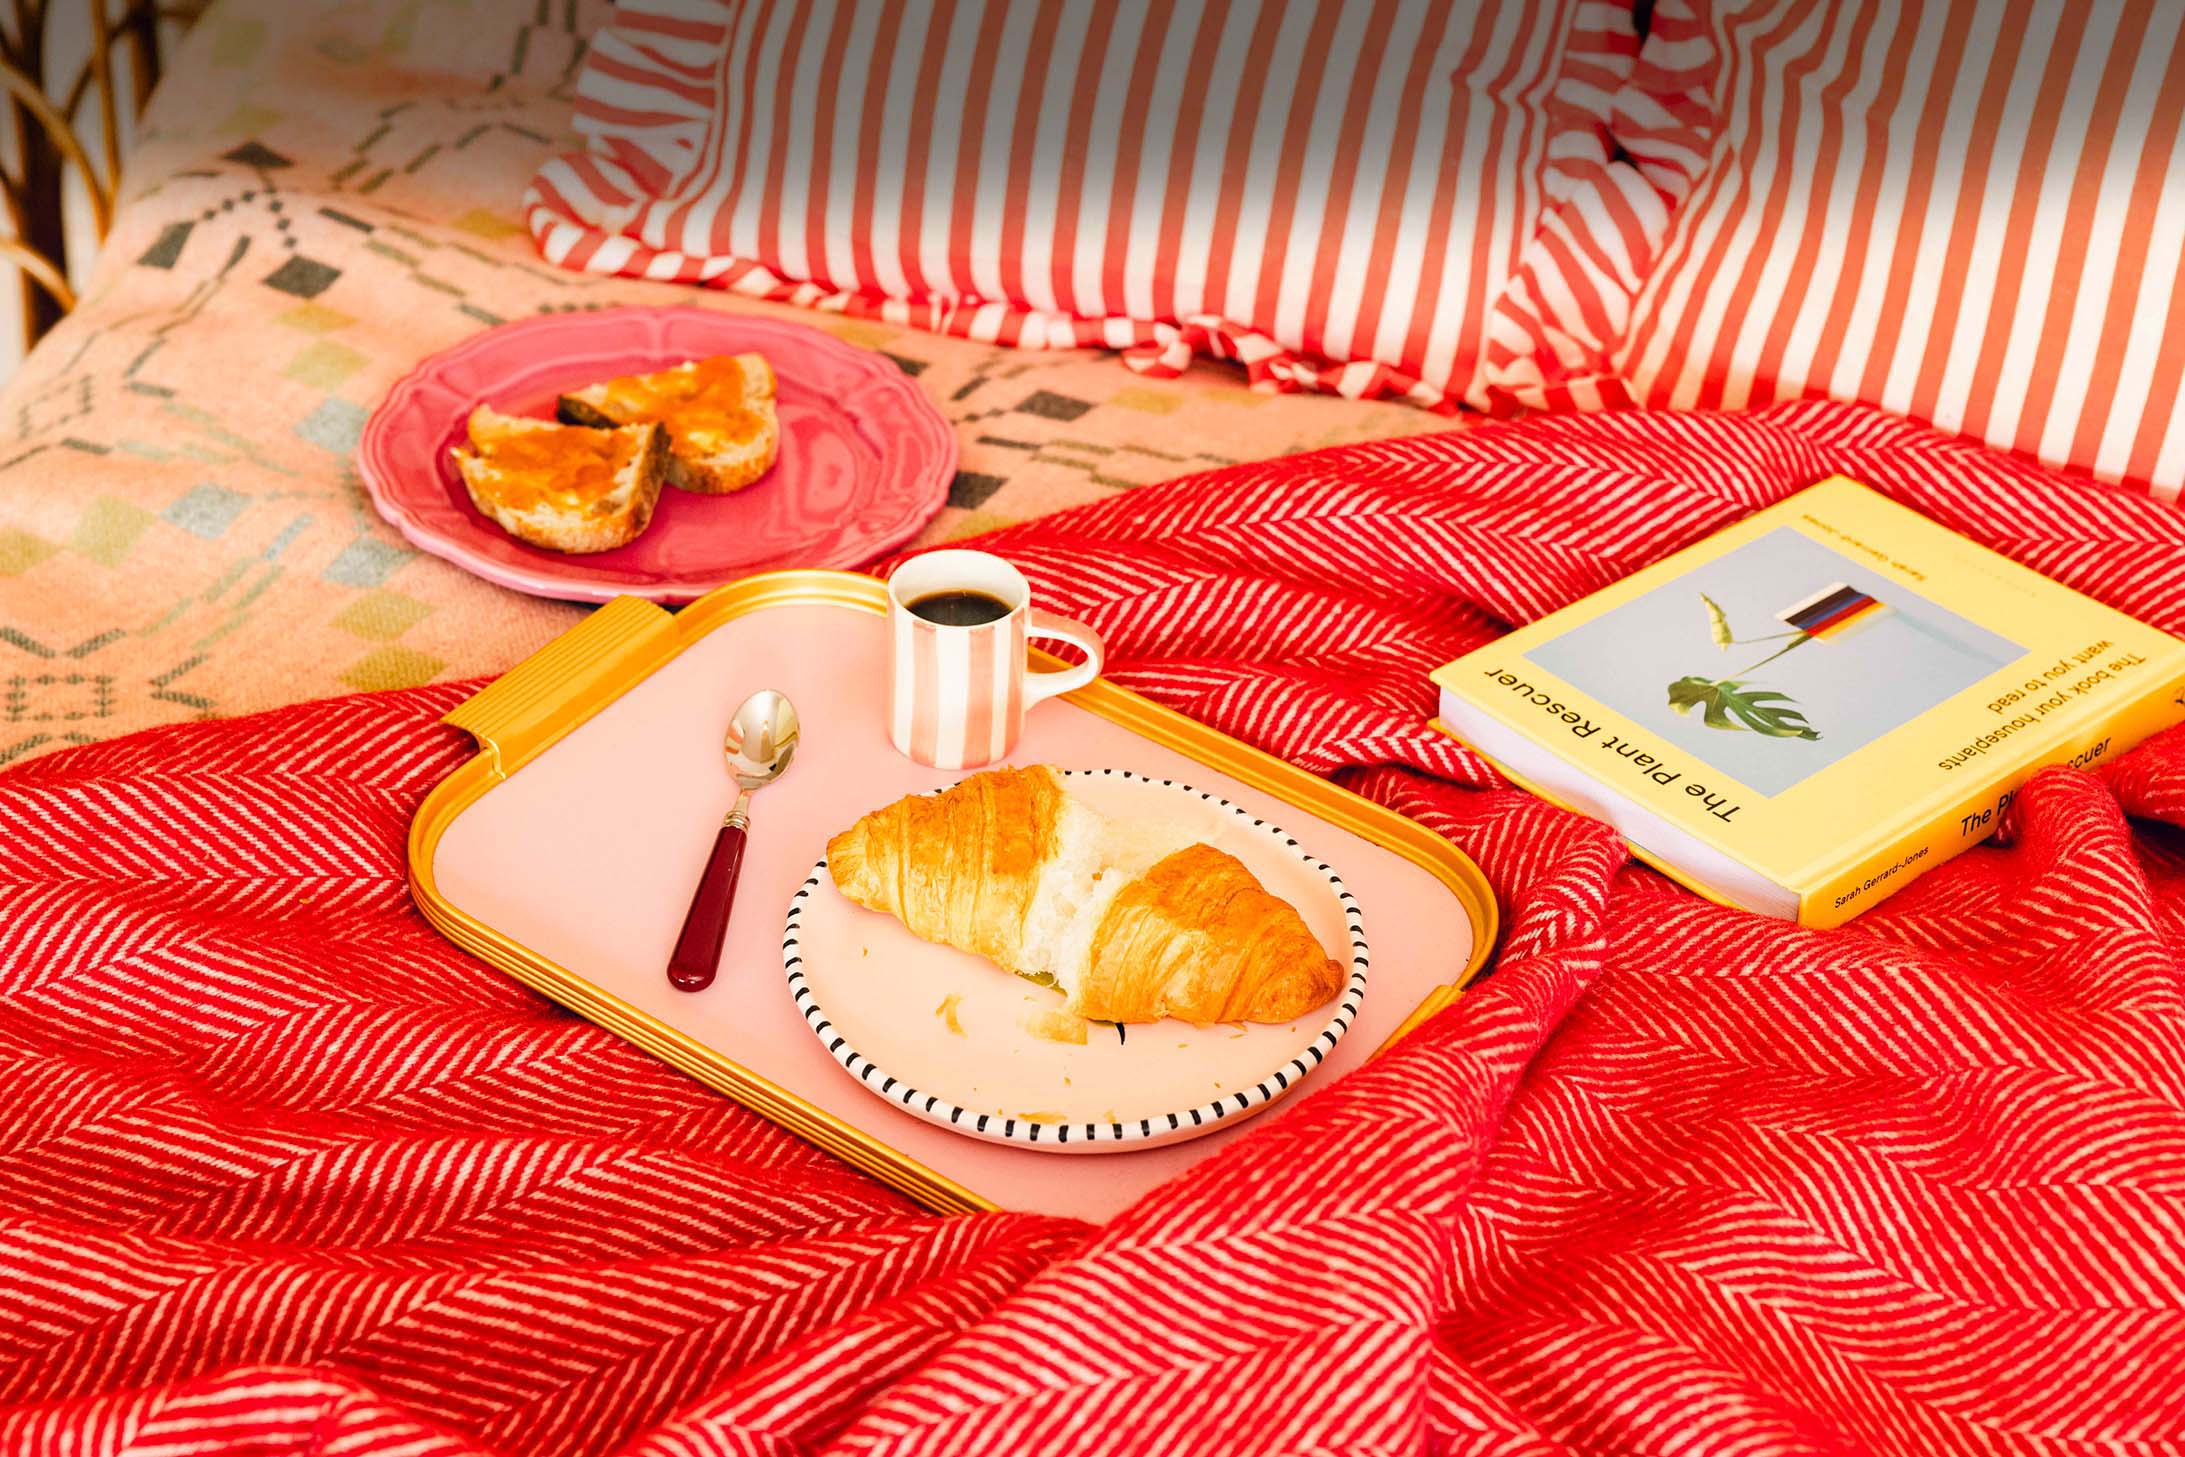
(1835, 612)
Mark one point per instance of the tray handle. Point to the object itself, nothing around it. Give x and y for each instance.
(559, 686)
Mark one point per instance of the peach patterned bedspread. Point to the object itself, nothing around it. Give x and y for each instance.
(325, 195)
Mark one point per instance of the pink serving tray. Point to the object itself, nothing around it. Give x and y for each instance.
(866, 460)
(565, 852)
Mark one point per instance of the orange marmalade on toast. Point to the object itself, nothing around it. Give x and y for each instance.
(566, 466)
(703, 404)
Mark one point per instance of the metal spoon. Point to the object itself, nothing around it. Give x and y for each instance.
(762, 739)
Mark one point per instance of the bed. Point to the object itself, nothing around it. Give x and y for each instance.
(286, 1171)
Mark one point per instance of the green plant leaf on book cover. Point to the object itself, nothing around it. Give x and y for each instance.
(1730, 704)
(1718, 623)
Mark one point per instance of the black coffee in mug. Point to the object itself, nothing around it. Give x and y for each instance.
(959, 679)
(960, 608)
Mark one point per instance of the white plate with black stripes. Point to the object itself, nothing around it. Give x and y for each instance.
(949, 1037)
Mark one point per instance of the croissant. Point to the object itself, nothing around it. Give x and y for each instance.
(1128, 922)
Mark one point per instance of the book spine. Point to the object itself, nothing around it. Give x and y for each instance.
(1963, 823)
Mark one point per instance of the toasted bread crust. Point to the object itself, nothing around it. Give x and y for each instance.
(572, 410)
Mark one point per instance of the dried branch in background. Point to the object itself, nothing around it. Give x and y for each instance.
(46, 142)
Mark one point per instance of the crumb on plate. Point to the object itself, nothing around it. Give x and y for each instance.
(1054, 1026)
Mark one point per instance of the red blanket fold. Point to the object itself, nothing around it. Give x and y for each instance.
(280, 1171)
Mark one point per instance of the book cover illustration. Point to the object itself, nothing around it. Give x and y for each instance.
(1775, 659)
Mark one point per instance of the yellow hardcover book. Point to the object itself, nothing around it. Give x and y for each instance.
(1807, 710)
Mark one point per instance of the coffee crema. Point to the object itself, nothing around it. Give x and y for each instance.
(960, 607)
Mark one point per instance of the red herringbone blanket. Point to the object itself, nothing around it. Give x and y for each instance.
(283, 1172)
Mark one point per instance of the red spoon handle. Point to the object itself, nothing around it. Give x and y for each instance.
(697, 954)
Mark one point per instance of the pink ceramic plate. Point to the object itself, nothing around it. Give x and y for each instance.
(953, 1040)
(865, 458)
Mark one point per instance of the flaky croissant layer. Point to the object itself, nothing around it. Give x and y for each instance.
(1130, 923)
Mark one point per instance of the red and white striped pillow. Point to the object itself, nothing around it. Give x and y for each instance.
(1971, 212)
(1353, 198)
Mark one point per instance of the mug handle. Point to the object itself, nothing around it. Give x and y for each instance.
(1046, 683)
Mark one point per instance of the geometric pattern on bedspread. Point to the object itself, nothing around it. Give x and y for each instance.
(326, 194)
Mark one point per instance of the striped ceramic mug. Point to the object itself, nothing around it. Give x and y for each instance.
(957, 688)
